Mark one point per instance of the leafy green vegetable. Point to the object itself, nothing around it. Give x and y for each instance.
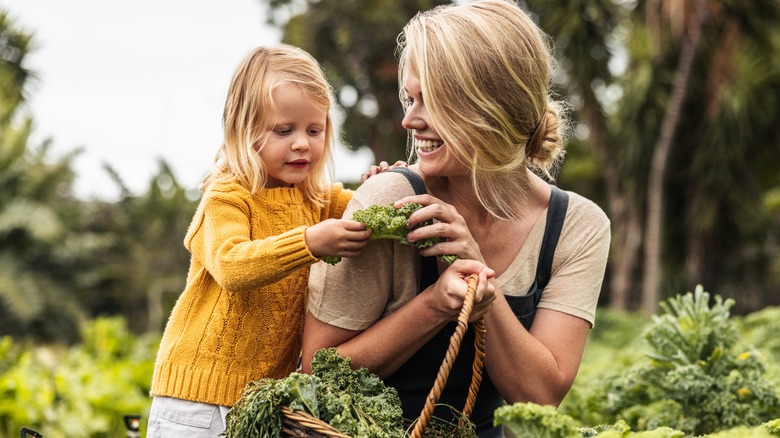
(388, 222)
(354, 401)
(619, 430)
(773, 426)
(533, 420)
(257, 414)
(331, 260)
(696, 377)
(79, 391)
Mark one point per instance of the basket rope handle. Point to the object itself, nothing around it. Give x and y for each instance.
(452, 352)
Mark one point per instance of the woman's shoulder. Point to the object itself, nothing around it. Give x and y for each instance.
(586, 225)
(582, 209)
(384, 188)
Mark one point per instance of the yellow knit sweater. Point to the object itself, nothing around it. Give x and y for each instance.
(241, 314)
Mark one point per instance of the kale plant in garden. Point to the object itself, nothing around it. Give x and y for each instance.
(694, 379)
(538, 421)
(761, 328)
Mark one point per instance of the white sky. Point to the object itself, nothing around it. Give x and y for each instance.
(133, 82)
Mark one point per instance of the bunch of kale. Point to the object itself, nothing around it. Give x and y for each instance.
(356, 402)
(388, 222)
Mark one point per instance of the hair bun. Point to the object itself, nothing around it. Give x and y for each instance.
(545, 147)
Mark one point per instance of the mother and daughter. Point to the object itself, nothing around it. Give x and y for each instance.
(485, 136)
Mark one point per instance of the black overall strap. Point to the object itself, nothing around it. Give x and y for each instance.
(429, 272)
(524, 306)
(556, 214)
(414, 179)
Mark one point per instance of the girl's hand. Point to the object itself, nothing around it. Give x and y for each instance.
(337, 237)
(449, 292)
(375, 170)
(447, 224)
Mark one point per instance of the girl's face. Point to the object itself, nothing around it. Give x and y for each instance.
(297, 139)
(434, 157)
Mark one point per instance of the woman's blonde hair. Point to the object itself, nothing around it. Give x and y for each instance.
(249, 113)
(485, 70)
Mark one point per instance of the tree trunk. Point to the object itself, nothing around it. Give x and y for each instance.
(627, 242)
(626, 227)
(655, 187)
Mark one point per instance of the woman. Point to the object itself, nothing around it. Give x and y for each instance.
(475, 82)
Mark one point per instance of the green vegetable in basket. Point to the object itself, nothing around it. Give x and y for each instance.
(354, 401)
(388, 222)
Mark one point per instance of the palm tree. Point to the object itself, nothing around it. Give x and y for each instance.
(36, 246)
(655, 186)
(41, 248)
(699, 132)
(589, 37)
(14, 46)
(727, 229)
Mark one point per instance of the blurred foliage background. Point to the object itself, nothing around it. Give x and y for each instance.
(674, 108)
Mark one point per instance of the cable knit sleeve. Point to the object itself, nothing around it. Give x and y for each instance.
(221, 238)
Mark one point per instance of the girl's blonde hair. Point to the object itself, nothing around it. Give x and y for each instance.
(248, 117)
(485, 69)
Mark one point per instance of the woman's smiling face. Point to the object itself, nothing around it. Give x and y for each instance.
(434, 157)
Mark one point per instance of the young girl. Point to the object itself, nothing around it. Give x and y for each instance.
(266, 215)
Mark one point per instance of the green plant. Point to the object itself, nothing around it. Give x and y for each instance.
(615, 343)
(760, 329)
(354, 401)
(79, 391)
(694, 378)
(388, 222)
(533, 420)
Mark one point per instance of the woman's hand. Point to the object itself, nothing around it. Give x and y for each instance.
(447, 224)
(449, 292)
(337, 237)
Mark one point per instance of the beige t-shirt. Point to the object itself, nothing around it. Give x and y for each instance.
(359, 291)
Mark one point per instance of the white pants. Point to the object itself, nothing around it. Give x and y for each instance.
(173, 417)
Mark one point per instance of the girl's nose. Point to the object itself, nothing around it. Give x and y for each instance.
(300, 143)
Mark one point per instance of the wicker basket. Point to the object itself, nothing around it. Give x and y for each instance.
(302, 424)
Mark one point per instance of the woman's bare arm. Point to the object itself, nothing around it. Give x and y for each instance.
(391, 341)
(537, 366)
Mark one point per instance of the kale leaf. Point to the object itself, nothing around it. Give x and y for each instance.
(354, 401)
(388, 222)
